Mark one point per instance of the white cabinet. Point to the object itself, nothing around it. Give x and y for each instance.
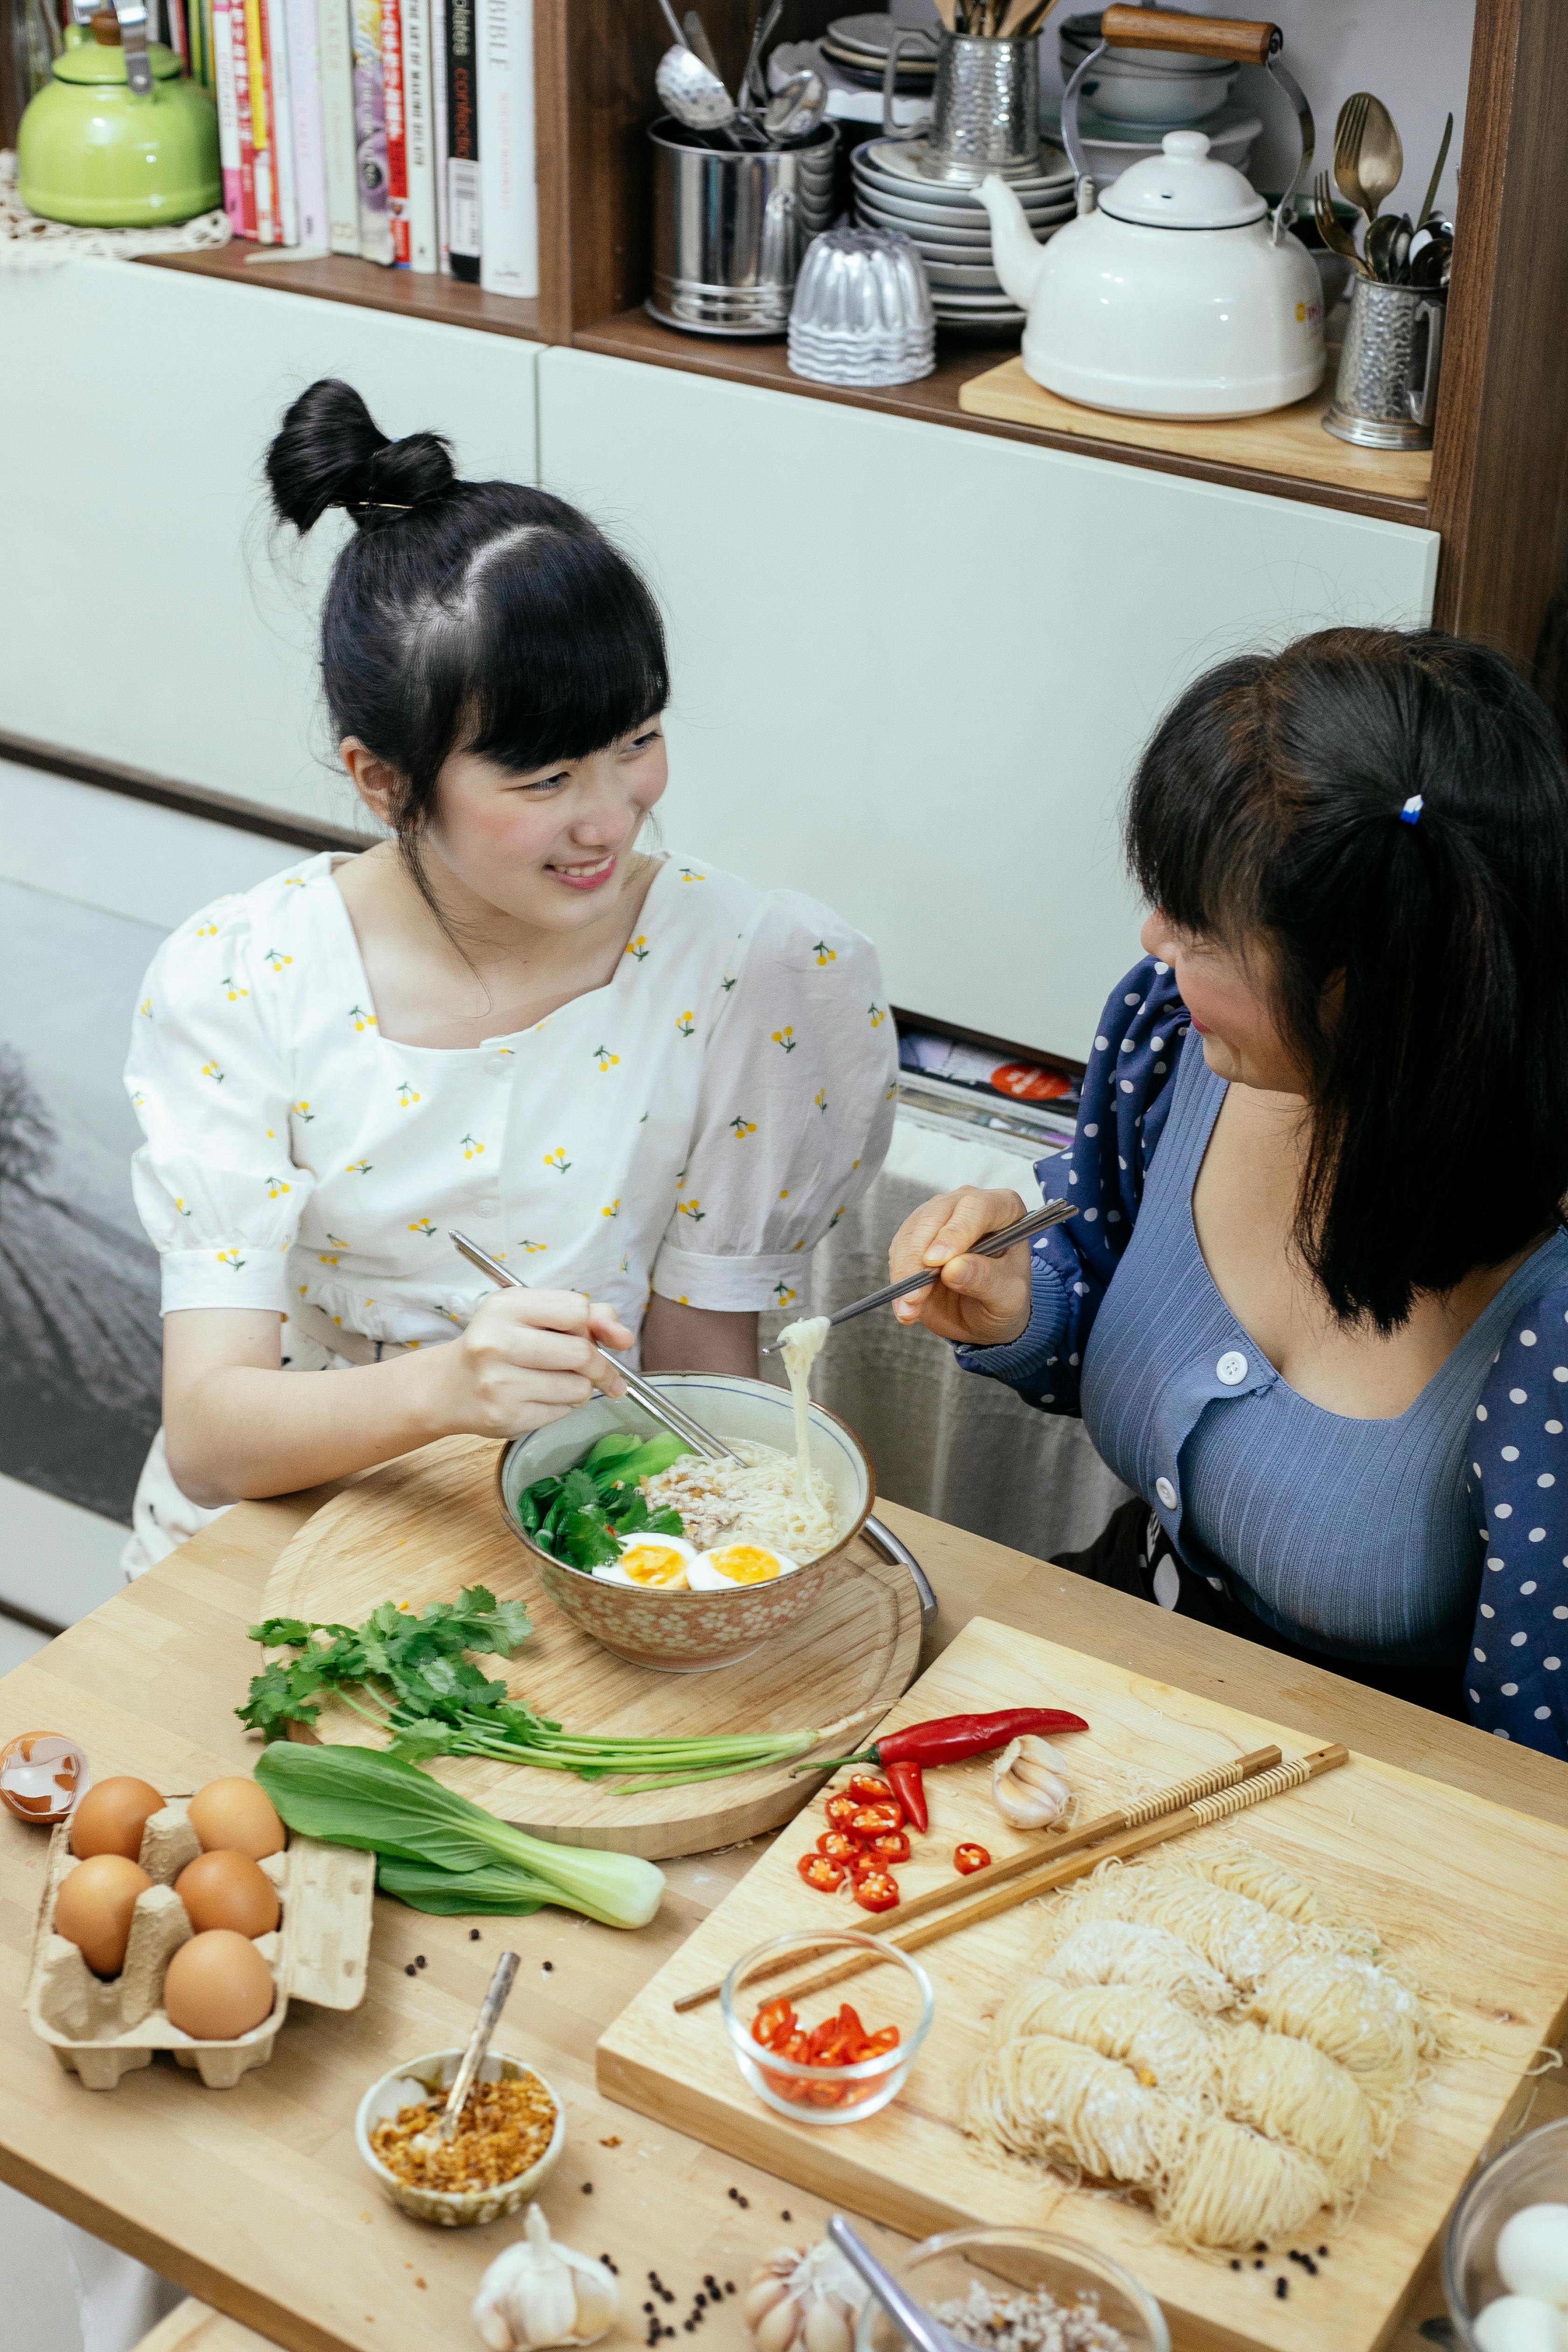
(913, 664)
(147, 613)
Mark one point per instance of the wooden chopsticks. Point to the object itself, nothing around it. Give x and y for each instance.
(1250, 1791)
(1045, 1852)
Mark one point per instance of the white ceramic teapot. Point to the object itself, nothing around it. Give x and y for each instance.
(1176, 293)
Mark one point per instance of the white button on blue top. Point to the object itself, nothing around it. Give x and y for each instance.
(1166, 1492)
(1231, 1367)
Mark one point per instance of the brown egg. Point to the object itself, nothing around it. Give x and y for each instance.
(111, 1817)
(218, 1986)
(235, 1817)
(93, 1909)
(228, 1890)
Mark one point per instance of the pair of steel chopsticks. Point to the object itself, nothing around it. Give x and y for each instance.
(993, 1246)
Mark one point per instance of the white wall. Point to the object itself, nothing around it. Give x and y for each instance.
(912, 665)
(146, 614)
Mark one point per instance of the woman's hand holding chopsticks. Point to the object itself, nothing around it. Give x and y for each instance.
(979, 1302)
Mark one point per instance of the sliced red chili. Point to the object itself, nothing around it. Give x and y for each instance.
(841, 1810)
(893, 1845)
(878, 2045)
(837, 1846)
(970, 1857)
(910, 1790)
(869, 1788)
(774, 2021)
(878, 1891)
(875, 1821)
(820, 1870)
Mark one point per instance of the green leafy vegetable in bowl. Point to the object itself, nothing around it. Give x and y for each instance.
(438, 1852)
(580, 1518)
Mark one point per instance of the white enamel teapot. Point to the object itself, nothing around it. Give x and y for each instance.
(1176, 293)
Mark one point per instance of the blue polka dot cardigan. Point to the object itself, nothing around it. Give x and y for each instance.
(1516, 1480)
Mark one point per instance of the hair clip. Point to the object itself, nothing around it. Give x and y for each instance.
(1411, 812)
(371, 506)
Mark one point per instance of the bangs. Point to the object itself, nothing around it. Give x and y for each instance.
(567, 653)
(1202, 830)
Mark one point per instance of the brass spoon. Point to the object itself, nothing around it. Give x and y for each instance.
(1368, 157)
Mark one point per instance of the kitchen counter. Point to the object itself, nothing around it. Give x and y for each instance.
(254, 2199)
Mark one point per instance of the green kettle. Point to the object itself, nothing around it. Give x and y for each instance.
(120, 137)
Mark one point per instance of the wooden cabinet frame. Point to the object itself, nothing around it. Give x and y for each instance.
(1499, 474)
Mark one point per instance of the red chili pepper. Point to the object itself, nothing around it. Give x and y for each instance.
(910, 1790)
(875, 1821)
(869, 1788)
(878, 1891)
(841, 1810)
(865, 1864)
(837, 1846)
(893, 1845)
(774, 2022)
(876, 2046)
(819, 1871)
(970, 1857)
(950, 1739)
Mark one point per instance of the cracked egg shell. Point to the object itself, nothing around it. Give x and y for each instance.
(42, 1775)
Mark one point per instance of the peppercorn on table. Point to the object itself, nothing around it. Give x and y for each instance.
(255, 2200)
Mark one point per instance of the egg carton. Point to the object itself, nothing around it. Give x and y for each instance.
(103, 2032)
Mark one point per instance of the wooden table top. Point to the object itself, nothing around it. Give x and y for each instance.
(254, 2199)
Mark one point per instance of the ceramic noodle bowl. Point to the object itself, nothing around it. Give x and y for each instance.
(688, 1632)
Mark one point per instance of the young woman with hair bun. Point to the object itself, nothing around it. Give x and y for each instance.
(646, 1086)
(1314, 1307)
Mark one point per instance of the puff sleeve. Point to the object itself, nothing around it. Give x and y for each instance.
(795, 1115)
(215, 1182)
(1516, 1683)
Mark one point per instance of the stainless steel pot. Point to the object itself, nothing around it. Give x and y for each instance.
(729, 229)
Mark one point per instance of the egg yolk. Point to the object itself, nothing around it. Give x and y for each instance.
(653, 1564)
(744, 1564)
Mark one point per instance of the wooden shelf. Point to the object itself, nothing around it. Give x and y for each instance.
(362, 285)
(1232, 455)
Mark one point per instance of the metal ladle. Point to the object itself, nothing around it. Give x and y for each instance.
(794, 110)
(696, 96)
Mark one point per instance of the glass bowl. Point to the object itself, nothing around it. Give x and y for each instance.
(1533, 2171)
(1008, 2261)
(898, 1994)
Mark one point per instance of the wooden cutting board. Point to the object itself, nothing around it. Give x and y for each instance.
(422, 1528)
(1471, 1896)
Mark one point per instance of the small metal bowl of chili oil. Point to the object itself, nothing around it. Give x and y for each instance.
(834, 2055)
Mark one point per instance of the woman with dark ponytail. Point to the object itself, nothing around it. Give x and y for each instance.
(645, 1084)
(1315, 1306)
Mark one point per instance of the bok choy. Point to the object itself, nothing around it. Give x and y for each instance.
(440, 1853)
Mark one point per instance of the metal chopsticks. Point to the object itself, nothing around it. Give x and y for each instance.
(993, 1245)
(652, 1400)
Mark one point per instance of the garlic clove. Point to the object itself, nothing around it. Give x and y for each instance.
(777, 2329)
(826, 2329)
(765, 2290)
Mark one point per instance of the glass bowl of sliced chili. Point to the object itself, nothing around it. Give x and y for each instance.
(826, 2053)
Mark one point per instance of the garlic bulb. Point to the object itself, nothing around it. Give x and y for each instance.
(1028, 1784)
(537, 2293)
(804, 2302)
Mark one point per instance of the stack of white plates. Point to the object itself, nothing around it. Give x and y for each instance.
(1109, 147)
(859, 47)
(862, 311)
(949, 227)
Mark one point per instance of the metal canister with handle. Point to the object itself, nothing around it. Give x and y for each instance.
(1386, 394)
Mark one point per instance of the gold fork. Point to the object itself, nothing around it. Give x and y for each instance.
(1350, 131)
(1335, 236)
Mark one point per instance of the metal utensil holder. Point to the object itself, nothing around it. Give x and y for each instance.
(1386, 394)
(985, 105)
(730, 228)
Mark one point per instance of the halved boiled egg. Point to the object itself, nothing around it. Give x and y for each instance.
(653, 1563)
(727, 1565)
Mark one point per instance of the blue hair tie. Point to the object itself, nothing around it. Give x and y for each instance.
(1411, 812)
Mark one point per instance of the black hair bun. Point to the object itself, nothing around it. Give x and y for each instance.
(329, 452)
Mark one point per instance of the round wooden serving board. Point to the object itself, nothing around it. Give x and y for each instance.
(424, 1526)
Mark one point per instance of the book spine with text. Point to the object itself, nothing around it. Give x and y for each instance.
(418, 116)
(334, 50)
(440, 128)
(240, 54)
(305, 102)
(463, 224)
(260, 121)
(228, 117)
(509, 261)
(281, 112)
(370, 134)
(392, 13)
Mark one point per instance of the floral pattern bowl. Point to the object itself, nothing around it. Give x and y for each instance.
(689, 1632)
